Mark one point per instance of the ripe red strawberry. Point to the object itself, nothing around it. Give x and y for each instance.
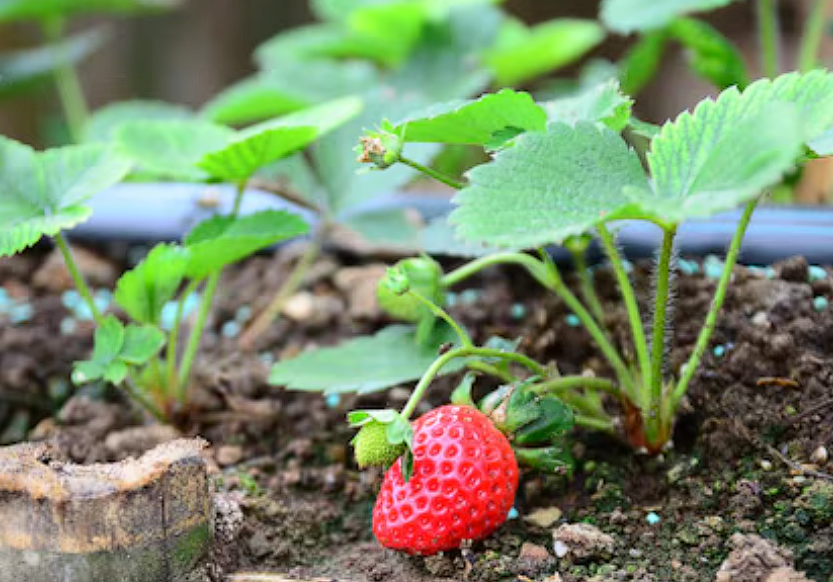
(462, 488)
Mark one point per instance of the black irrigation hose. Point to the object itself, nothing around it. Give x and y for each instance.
(148, 213)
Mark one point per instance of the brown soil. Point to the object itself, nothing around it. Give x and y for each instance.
(741, 463)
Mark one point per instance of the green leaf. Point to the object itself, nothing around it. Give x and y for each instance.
(641, 63)
(141, 343)
(221, 240)
(105, 122)
(627, 16)
(45, 193)
(384, 33)
(712, 55)
(144, 290)
(473, 122)
(547, 187)
(728, 150)
(108, 340)
(523, 53)
(86, 371)
(115, 372)
(604, 103)
(253, 99)
(20, 69)
(265, 143)
(11, 10)
(296, 45)
(172, 148)
(365, 364)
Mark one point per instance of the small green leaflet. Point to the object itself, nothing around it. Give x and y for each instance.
(365, 364)
(11, 10)
(223, 240)
(106, 122)
(523, 53)
(45, 193)
(473, 122)
(195, 149)
(143, 291)
(567, 180)
(116, 347)
(627, 16)
(603, 103)
(19, 69)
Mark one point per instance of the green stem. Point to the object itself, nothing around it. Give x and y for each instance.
(195, 337)
(296, 278)
(432, 173)
(465, 339)
(588, 290)
(66, 79)
(535, 267)
(812, 37)
(238, 198)
(768, 34)
(556, 284)
(137, 396)
(598, 424)
(717, 302)
(463, 352)
(77, 276)
(631, 305)
(479, 366)
(563, 383)
(173, 338)
(661, 295)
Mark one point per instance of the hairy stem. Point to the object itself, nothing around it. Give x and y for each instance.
(661, 296)
(238, 198)
(432, 173)
(69, 86)
(463, 352)
(479, 366)
(602, 425)
(717, 302)
(296, 278)
(77, 276)
(812, 37)
(769, 37)
(195, 337)
(131, 387)
(631, 305)
(556, 284)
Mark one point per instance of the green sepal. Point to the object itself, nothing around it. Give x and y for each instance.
(384, 435)
(553, 419)
(462, 394)
(555, 458)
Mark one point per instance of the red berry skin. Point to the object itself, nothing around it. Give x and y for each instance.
(462, 488)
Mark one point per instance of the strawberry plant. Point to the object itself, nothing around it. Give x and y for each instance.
(48, 194)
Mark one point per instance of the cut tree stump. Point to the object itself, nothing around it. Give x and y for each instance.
(140, 520)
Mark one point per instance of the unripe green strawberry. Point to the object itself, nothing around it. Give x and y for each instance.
(462, 487)
(424, 275)
(372, 448)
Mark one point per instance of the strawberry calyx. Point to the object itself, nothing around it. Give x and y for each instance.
(535, 424)
(383, 437)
